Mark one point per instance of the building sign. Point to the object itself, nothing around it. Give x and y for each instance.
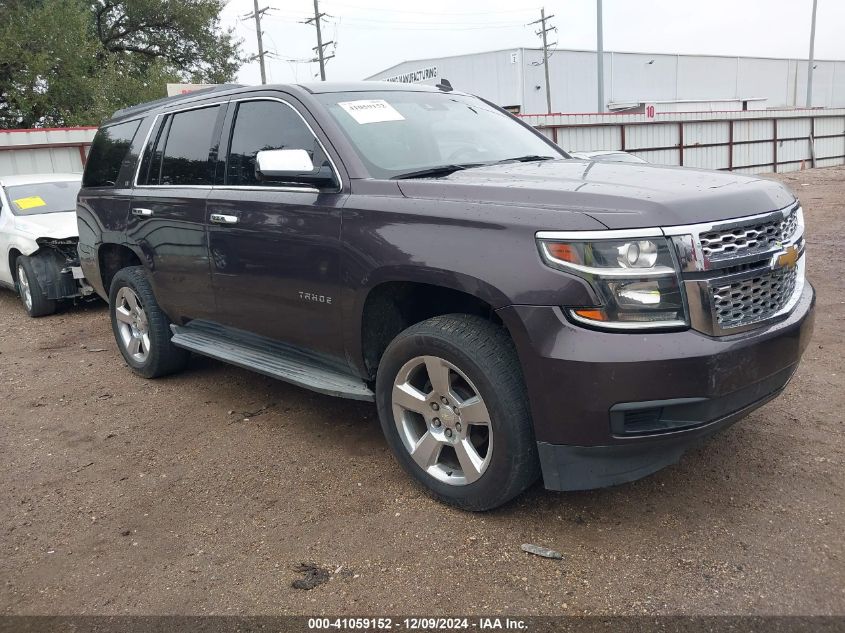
(415, 76)
(183, 89)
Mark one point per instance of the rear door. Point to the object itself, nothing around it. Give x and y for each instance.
(103, 202)
(167, 218)
(276, 264)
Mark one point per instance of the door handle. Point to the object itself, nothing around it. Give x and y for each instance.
(222, 218)
(142, 213)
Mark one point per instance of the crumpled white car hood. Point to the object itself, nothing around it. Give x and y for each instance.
(55, 225)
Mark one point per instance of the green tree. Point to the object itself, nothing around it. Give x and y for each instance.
(74, 62)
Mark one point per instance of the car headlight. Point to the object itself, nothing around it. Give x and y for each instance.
(634, 273)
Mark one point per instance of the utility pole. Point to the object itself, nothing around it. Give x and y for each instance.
(543, 33)
(320, 48)
(257, 13)
(811, 62)
(600, 55)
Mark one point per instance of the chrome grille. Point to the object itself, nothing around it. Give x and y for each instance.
(734, 275)
(745, 240)
(754, 299)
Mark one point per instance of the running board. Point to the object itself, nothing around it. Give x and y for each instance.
(270, 358)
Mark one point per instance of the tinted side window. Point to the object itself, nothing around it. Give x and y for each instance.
(108, 151)
(181, 155)
(261, 125)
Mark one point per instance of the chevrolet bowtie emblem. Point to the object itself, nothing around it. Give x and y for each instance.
(788, 259)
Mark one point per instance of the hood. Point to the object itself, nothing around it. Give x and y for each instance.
(56, 225)
(619, 195)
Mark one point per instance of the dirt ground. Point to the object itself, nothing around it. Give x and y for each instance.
(204, 492)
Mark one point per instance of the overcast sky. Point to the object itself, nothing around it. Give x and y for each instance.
(372, 35)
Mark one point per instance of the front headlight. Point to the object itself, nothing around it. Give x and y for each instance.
(635, 274)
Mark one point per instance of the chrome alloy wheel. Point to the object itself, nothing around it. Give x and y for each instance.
(23, 284)
(132, 325)
(442, 420)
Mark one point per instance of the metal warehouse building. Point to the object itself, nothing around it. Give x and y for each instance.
(513, 78)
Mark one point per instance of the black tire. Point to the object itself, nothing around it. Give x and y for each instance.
(485, 353)
(28, 285)
(162, 357)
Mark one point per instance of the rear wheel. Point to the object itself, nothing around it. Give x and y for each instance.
(141, 328)
(34, 299)
(454, 409)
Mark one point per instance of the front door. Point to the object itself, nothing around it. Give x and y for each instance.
(274, 248)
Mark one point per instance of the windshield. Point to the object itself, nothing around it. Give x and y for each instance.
(43, 197)
(397, 133)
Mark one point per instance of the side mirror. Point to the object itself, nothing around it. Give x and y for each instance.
(292, 166)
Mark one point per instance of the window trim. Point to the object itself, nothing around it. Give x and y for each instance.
(146, 146)
(140, 121)
(303, 189)
(161, 136)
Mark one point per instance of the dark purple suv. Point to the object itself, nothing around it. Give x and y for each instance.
(512, 312)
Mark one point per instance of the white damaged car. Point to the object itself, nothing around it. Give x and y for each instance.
(38, 237)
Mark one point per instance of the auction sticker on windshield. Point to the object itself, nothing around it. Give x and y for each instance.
(371, 111)
(31, 202)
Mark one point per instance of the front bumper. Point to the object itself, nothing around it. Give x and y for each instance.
(613, 407)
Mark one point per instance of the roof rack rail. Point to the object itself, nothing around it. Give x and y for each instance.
(149, 105)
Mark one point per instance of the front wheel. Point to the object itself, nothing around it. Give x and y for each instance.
(454, 409)
(34, 299)
(141, 328)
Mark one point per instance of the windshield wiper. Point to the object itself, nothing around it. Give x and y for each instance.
(530, 158)
(445, 170)
(434, 172)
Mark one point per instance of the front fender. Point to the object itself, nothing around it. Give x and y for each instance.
(432, 276)
(17, 244)
(486, 251)
(23, 244)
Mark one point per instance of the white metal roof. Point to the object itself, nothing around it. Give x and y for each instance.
(34, 179)
(587, 50)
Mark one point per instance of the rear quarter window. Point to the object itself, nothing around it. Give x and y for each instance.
(108, 152)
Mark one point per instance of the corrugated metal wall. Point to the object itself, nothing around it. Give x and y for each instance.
(753, 142)
(749, 142)
(44, 151)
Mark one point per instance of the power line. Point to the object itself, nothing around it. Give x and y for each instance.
(437, 23)
(394, 24)
(402, 27)
(543, 34)
(445, 13)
